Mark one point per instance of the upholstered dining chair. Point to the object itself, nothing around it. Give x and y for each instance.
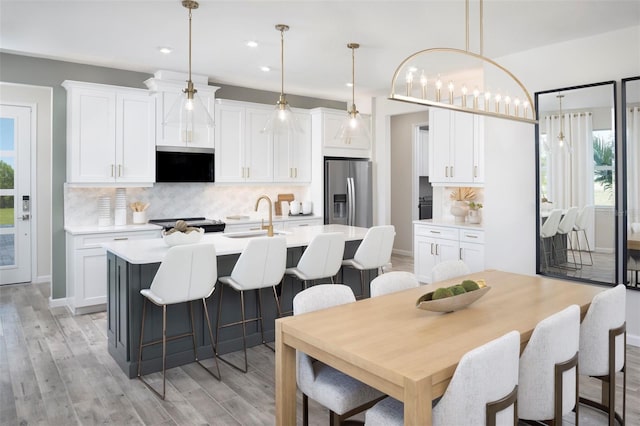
(603, 341)
(321, 259)
(187, 273)
(548, 380)
(482, 391)
(374, 252)
(449, 269)
(260, 265)
(343, 395)
(392, 281)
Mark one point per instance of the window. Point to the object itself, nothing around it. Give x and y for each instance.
(603, 168)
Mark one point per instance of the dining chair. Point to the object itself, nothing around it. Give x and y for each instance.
(321, 259)
(482, 391)
(585, 216)
(260, 265)
(449, 269)
(187, 273)
(343, 395)
(565, 226)
(548, 380)
(548, 231)
(603, 340)
(393, 281)
(374, 252)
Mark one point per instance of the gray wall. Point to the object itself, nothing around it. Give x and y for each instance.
(51, 73)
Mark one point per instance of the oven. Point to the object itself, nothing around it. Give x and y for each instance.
(425, 208)
(209, 225)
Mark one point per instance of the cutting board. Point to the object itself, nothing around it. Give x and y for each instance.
(282, 197)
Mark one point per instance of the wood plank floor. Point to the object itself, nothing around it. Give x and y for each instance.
(55, 370)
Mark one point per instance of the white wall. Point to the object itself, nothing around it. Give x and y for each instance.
(509, 146)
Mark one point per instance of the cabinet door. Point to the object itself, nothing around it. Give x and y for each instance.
(331, 122)
(169, 135)
(461, 151)
(91, 277)
(92, 128)
(439, 150)
(230, 128)
(135, 138)
(292, 153)
(473, 256)
(424, 258)
(478, 149)
(258, 146)
(447, 250)
(423, 153)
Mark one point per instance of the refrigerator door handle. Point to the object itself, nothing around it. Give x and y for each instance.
(350, 201)
(353, 202)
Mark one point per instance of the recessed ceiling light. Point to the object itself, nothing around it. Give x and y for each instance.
(165, 50)
(252, 43)
(265, 69)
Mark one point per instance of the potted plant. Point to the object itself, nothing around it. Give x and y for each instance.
(474, 212)
(460, 197)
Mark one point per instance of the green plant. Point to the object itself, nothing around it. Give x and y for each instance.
(603, 155)
(474, 206)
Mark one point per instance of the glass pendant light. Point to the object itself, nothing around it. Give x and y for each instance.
(282, 121)
(353, 126)
(561, 138)
(188, 112)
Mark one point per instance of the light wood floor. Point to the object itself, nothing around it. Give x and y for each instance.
(55, 370)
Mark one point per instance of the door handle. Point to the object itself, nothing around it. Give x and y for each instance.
(460, 254)
(437, 249)
(24, 217)
(451, 171)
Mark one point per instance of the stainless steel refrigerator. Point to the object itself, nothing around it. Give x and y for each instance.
(348, 192)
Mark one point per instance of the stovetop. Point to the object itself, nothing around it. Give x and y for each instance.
(209, 225)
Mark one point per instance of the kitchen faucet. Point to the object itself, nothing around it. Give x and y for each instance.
(268, 227)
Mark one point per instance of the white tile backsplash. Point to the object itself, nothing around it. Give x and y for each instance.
(169, 200)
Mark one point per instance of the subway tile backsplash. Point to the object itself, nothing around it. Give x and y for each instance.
(169, 200)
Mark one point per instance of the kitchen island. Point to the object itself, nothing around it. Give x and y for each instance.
(131, 266)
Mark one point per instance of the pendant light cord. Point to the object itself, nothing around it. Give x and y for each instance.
(282, 60)
(353, 76)
(190, 9)
(481, 26)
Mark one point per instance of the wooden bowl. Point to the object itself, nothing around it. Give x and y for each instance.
(450, 304)
(179, 238)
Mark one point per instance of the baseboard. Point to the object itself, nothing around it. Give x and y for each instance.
(402, 252)
(633, 340)
(602, 250)
(42, 279)
(56, 303)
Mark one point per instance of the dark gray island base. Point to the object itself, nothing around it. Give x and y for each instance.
(124, 313)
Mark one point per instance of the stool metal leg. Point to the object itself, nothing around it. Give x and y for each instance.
(215, 357)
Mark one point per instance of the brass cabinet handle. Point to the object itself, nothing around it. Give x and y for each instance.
(112, 170)
(120, 238)
(475, 171)
(470, 236)
(431, 248)
(451, 171)
(460, 254)
(119, 170)
(296, 169)
(435, 232)
(446, 171)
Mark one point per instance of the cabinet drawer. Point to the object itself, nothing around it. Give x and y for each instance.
(471, 236)
(95, 240)
(437, 232)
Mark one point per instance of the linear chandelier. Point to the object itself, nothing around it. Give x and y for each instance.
(457, 79)
(188, 111)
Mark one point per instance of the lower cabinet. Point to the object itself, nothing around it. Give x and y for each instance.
(434, 244)
(87, 268)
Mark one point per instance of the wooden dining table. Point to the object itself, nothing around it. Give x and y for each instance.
(633, 241)
(409, 353)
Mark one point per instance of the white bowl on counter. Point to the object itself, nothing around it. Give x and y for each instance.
(179, 238)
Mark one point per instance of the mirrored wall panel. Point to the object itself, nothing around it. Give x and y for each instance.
(576, 151)
(631, 134)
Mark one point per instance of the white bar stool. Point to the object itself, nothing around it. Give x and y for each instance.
(260, 265)
(187, 273)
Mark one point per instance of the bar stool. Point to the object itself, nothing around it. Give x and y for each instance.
(321, 259)
(548, 230)
(187, 273)
(374, 252)
(260, 265)
(582, 222)
(548, 381)
(564, 228)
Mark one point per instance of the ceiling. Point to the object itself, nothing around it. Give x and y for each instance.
(127, 35)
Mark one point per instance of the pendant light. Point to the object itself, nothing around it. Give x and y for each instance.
(282, 121)
(561, 134)
(188, 112)
(353, 126)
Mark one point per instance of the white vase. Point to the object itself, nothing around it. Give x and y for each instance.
(474, 216)
(459, 210)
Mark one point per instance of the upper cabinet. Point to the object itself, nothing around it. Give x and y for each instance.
(326, 125)
(167, 87)
(456, 147)
(245, 154)
(110, 134)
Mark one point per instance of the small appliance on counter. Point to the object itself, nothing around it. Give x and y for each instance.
(209, 225)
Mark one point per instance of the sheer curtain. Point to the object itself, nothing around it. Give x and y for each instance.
(570, 165)
(633, 164)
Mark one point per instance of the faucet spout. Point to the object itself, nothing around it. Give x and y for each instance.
(268, 227)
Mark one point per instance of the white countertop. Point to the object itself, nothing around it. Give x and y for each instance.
(451, 223)
(79, 230)
(257, 218)
(153, 250)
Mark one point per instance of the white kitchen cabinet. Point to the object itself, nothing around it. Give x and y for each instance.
(423, 153)
(292, 153)
(110, 134)
(243, 152)
(166, 92)
(456, 147)
(434, 244)
(290, 224)
(326, 125)
(87, 267)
